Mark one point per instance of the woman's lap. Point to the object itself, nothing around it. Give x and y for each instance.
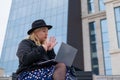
(41, 74)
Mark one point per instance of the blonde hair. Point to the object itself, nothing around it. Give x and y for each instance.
(33, 37)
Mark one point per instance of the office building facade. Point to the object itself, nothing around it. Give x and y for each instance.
(113, 16)
(96, 41)
(100, 21)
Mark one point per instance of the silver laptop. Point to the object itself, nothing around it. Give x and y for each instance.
(66, 54)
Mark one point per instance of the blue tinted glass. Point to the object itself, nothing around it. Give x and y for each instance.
(105, 37)
(90, 6)
(104, 26)
(108, 69)
(105, 40)
(119, 37)
(118, 28)
(117, 20)
(93, 47)
(92, 38)
(101, 5)
(117, 14)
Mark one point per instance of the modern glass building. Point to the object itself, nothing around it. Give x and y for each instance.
(22, 14)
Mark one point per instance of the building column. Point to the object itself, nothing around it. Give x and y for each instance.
(74, 35)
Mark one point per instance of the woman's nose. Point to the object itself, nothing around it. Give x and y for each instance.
(47, 33)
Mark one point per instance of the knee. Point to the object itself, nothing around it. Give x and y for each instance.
(60, 65)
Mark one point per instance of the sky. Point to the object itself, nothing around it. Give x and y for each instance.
(4, 14)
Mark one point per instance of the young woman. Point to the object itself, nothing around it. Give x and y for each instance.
(37, 48)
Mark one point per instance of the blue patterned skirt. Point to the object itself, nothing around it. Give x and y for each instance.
(42, 74)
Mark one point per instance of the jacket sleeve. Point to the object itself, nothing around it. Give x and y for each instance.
(51, 54)
(27, 55)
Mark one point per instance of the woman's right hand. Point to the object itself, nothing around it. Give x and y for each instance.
(49, 44)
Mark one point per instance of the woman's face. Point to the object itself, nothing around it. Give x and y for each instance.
(41, 33)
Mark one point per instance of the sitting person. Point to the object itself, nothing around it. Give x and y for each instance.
(38, 49)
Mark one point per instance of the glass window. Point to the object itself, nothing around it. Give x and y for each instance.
(105, 37)
(93, 47)
(117, 21)
(90, 6)
(94, 58)
(92, 38)
(105, 43)
(101, 5)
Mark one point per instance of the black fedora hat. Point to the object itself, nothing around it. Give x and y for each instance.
(38, 24)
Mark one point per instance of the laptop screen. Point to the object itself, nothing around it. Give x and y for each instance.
(66, 54)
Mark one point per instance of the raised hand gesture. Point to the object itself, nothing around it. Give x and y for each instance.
(51, 43)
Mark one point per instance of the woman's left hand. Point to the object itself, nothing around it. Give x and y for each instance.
(51, 43)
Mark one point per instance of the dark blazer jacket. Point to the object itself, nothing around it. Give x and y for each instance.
(29, 54)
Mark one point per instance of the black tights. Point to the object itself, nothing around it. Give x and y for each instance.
(60, 72)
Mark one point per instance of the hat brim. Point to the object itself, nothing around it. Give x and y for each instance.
(31, 30)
